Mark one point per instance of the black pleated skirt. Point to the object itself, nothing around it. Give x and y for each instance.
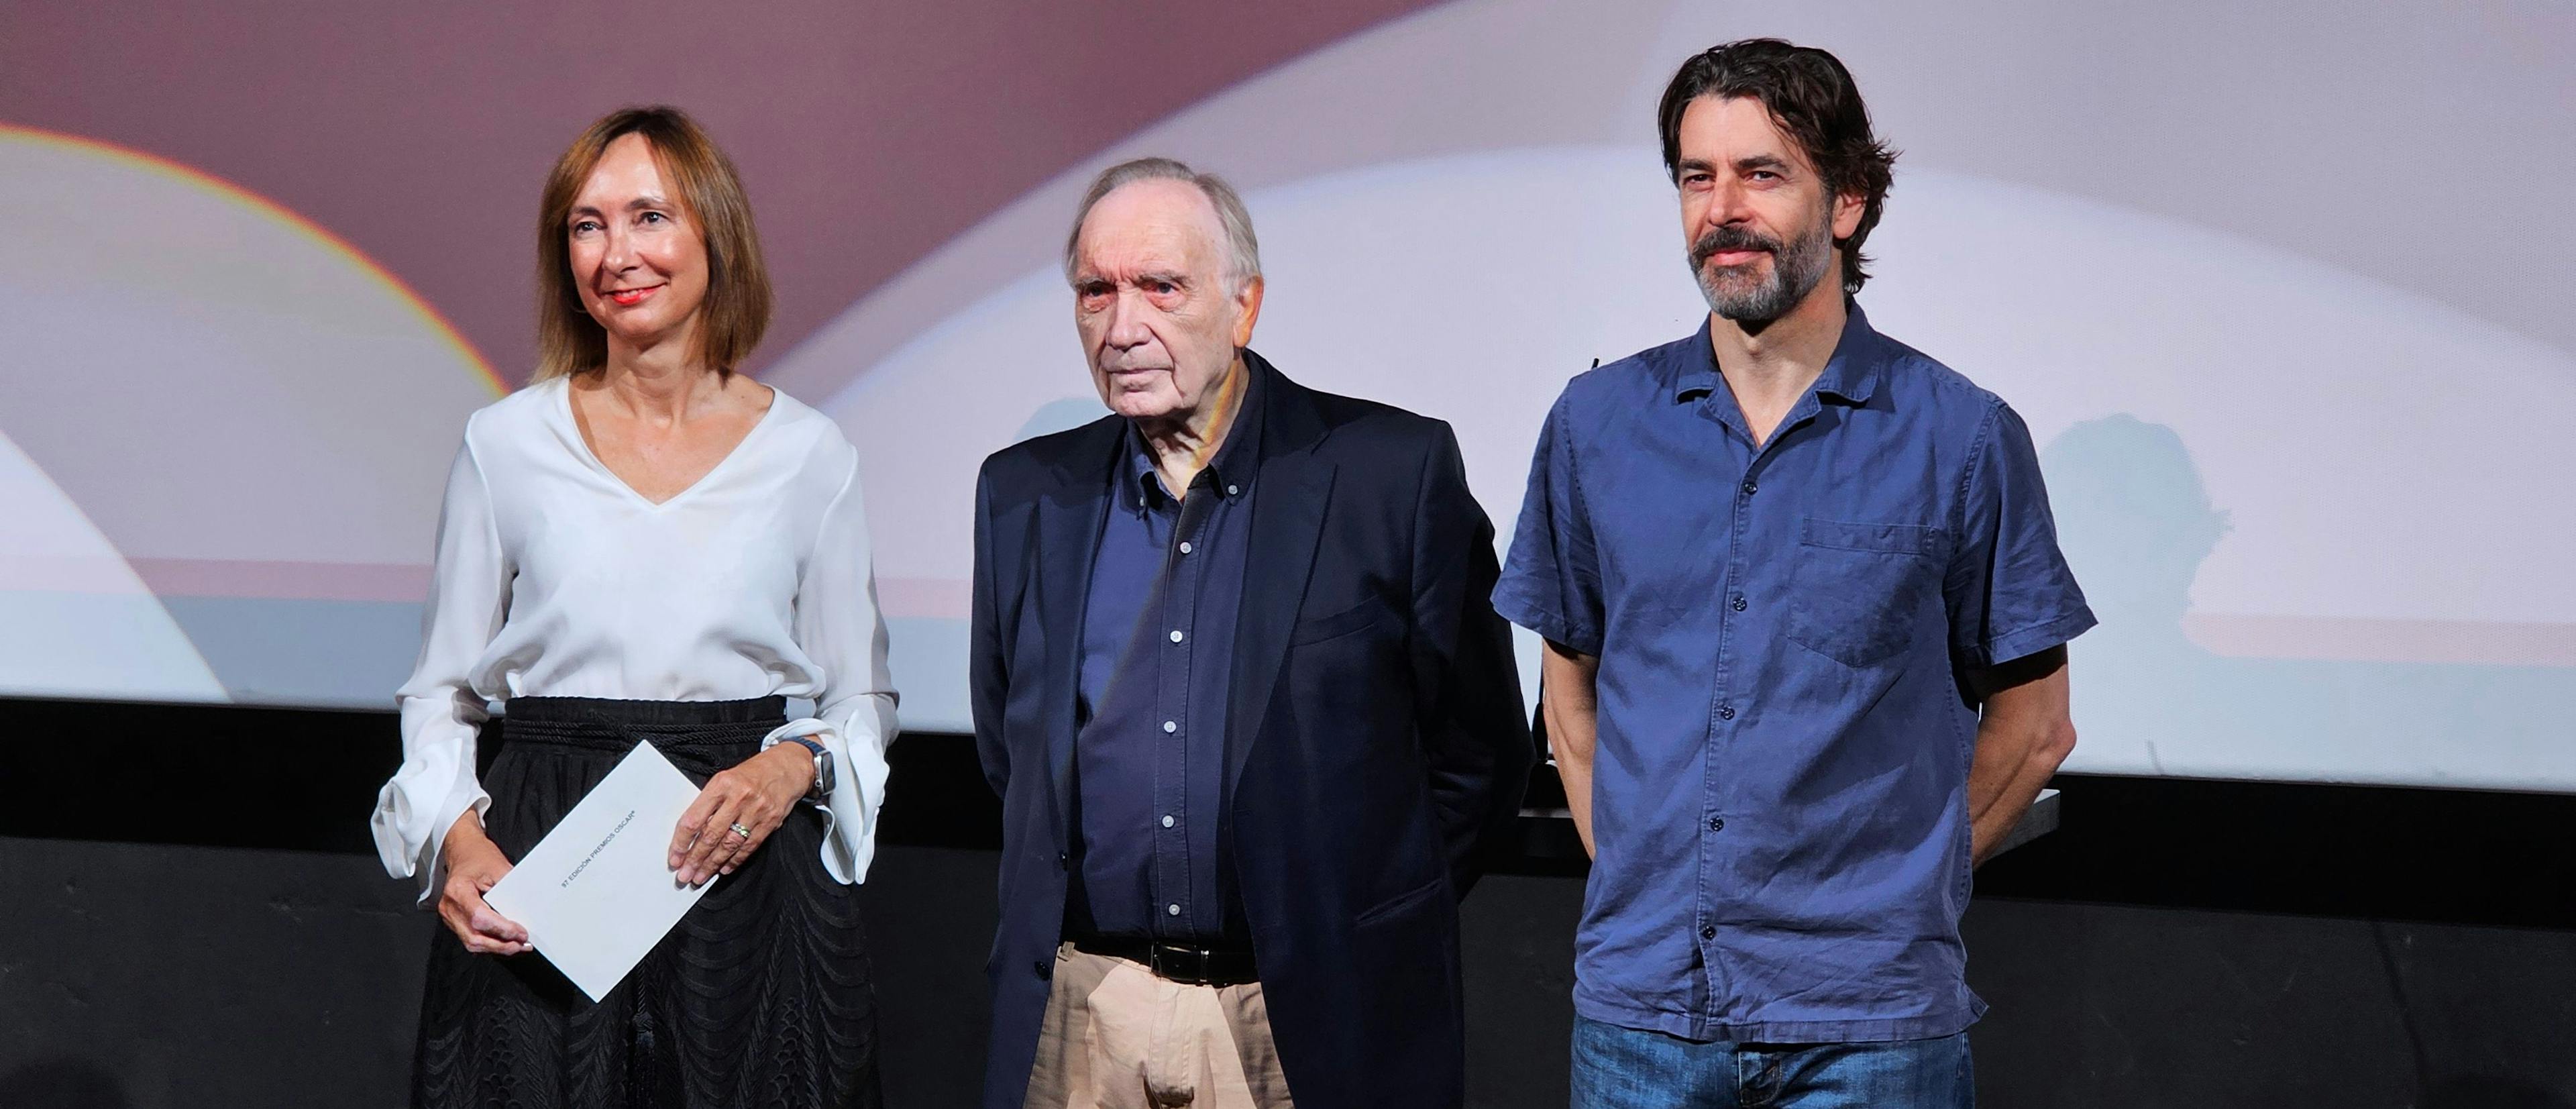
(760, 997)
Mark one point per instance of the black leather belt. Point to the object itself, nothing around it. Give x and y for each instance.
(1186, 963)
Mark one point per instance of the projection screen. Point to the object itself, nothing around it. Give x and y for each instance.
(2280, 293)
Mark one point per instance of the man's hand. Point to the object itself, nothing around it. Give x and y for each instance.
(757, 794)
(474, 865)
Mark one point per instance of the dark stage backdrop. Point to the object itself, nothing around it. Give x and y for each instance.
(193, 918)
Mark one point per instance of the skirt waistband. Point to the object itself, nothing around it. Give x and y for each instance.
(615, 725)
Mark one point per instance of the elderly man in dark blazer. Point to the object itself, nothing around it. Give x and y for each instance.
(1239, 683)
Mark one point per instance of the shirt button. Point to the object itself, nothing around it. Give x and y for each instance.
(1171, 910)
(1185, 548)
(1708, 931)
(1724, 712)
(1233, 489)
(1715, 823)
(1739, 604)
(1177, 636)
(1167, 822)
(1170, 726)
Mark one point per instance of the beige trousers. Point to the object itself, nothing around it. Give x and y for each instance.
(1116, 1037)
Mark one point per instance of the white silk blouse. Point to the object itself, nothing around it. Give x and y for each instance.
(554, 578)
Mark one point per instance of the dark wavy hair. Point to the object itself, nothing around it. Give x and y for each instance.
(1811, 97)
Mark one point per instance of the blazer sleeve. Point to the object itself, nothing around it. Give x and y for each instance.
(1466, 686)
(988, 675)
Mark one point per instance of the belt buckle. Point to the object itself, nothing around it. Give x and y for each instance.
(1179, 962)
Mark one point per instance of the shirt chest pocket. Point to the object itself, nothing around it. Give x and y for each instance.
(1858, 590)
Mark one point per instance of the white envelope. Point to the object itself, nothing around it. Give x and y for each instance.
(595, 895)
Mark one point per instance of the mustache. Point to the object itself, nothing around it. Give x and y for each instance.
(1730, 238)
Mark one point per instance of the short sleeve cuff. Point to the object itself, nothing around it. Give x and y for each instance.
(1517, 606)
(2032, 640)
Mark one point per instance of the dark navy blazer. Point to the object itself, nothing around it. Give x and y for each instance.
(1376, 733)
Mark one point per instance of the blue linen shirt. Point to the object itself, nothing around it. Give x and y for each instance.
(1157, 656)
(1780, 773)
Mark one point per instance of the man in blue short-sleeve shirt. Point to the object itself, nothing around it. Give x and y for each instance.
(1806, 618)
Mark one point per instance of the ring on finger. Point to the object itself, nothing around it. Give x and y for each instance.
(740, 829)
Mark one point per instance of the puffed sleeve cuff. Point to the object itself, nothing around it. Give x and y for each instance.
(858, 788)
(411, 835)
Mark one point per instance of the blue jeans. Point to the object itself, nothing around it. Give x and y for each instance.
(1622, 1068)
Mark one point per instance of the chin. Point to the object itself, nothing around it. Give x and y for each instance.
(1154, 398)
(1141, 406)
(640, 331)
(1748, 277)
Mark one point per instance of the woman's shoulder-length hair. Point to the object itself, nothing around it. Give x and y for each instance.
(736, 310)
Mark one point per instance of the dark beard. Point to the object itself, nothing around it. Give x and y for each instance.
(1796, 267)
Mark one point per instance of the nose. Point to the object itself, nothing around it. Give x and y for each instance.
(1127, 315)
(617, 253)
(1728, 203)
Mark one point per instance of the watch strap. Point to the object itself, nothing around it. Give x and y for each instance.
(821, 792)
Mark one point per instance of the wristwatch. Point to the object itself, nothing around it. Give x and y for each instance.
(824, 778)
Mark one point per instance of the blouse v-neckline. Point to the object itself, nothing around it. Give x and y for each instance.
(590, 454)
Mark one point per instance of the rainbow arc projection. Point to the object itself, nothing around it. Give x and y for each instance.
(224, 439)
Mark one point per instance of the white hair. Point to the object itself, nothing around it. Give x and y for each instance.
(1243, 252)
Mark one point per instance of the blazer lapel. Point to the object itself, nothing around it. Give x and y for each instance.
(1287, 524)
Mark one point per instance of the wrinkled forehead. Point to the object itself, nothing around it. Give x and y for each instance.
(1157, 226)
(1719, 130)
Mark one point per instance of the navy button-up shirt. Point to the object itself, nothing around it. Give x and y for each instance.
(1157, 652)
(1780, 775)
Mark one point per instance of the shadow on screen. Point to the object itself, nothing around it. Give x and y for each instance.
(2136, 523)
(61, 1083)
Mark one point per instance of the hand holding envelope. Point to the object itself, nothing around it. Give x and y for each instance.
(474, 865)
(597, 893)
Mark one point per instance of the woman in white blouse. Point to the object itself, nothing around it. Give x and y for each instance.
(645, 546)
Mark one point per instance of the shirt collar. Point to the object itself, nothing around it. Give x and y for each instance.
(1851, 375)
(1233, 466)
